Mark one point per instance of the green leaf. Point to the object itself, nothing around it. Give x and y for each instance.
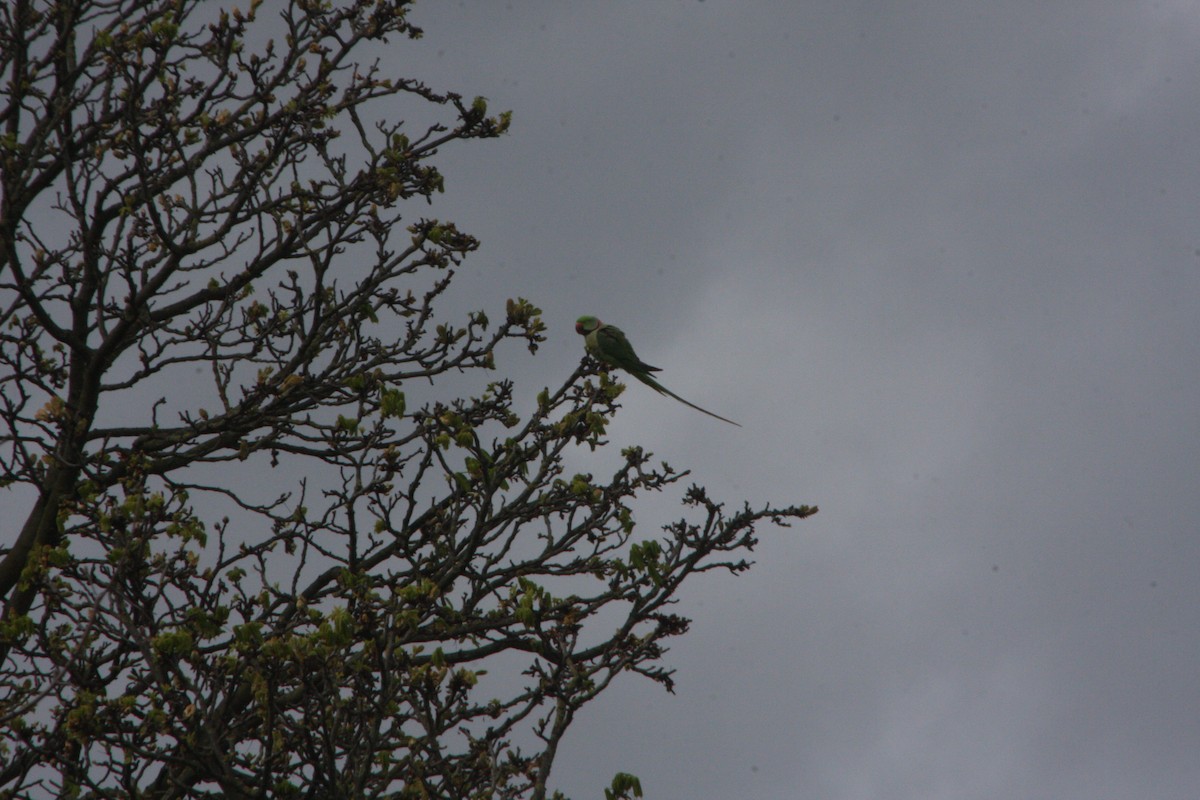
(391, 403)
(624, 786)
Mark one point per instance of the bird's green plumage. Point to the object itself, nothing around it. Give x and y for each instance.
(608, 345)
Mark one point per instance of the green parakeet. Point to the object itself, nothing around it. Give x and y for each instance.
(607, 344)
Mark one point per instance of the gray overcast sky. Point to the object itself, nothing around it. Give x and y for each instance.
(942, 260)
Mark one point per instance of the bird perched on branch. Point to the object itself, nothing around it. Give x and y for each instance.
(608, 345)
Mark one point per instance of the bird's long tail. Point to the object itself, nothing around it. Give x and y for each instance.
(658, 387)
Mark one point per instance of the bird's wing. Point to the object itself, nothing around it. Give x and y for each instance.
(617, 349)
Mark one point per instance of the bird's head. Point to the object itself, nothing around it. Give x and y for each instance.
(585, 325)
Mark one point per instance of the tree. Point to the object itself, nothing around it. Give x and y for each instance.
(207, 287)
